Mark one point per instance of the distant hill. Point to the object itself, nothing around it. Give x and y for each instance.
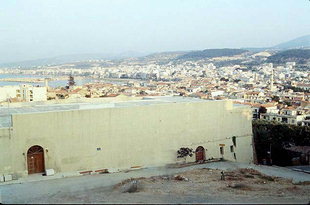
(301, 42)
(163, 56)
(253, 49)
(211, 53)
(300, 56)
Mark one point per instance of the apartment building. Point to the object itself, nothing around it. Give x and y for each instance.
(287, 116)
(24, 93)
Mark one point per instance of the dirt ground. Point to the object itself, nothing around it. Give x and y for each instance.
(198, 186)
(199, 183)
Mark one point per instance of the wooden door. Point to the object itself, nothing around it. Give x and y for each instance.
(200, 154)
(35, 160)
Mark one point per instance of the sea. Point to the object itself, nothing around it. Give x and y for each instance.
(54, 84)
(59, 83)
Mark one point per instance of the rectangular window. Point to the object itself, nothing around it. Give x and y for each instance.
(222, 150)
(231, 148)
(234, 141)
(235, 157)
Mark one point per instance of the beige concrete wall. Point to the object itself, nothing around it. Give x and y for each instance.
(5, 151)
(130, 136)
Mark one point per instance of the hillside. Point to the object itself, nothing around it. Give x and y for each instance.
(163, 56)
(211, 53)
(301, 42)
(300, 56)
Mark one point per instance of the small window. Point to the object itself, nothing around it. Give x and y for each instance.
(235, 157)
(234, 141)
(231, 148)
(222, 150)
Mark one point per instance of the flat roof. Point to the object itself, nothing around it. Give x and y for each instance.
(6, 111)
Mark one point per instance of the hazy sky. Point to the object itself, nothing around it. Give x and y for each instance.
(31, 29)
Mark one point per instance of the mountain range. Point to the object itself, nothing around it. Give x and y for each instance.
(301, 42)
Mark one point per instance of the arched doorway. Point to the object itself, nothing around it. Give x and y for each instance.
(35, 159)
(200, 154)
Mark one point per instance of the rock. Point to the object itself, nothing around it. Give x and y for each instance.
(248, 176)
(268, 178)
(237, 185)
(180, 178)
(130, 187)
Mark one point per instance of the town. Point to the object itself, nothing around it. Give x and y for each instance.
(162, 106)
(278, 92)
(150, 102)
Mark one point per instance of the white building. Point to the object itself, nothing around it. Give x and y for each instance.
(7, 92)
(31, 93)
(23, 93)
(287, 116)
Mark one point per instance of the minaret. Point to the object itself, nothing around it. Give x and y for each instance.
(46, 83)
